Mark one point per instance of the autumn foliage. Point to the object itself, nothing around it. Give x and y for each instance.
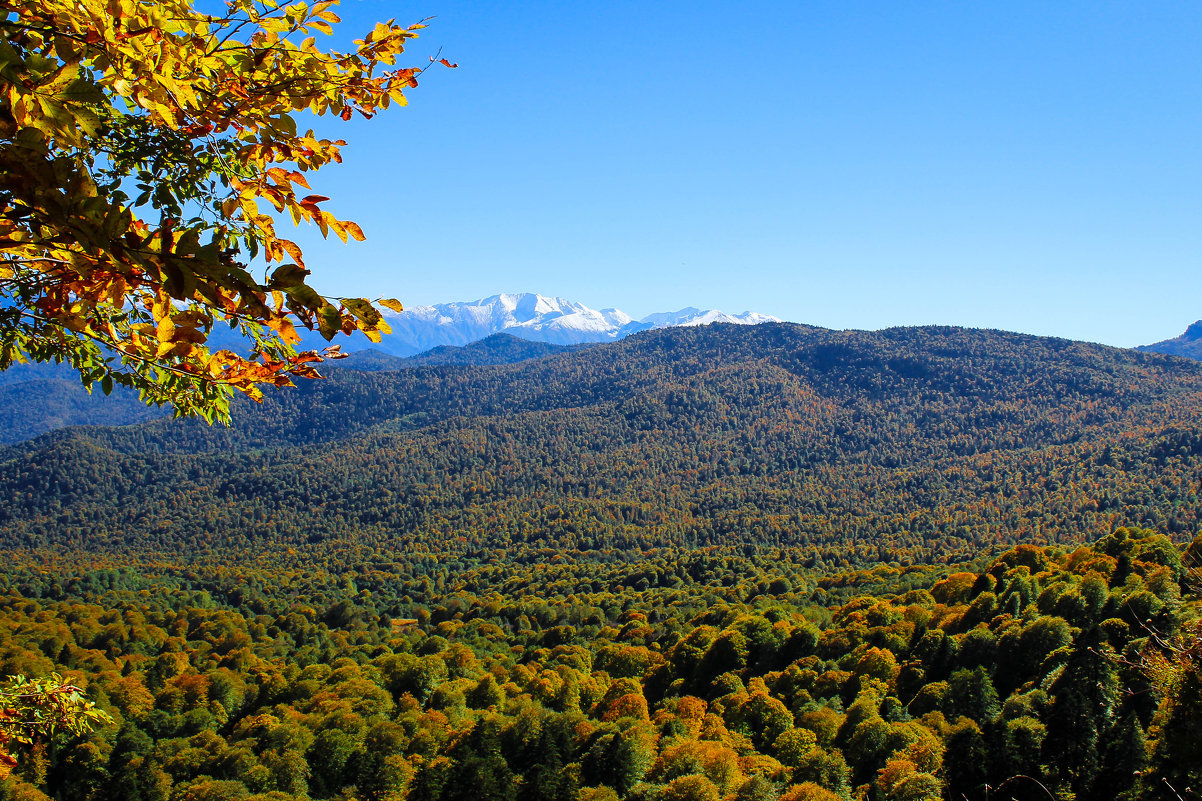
(678, 675)
(147, 152)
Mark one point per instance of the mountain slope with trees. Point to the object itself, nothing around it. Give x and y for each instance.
(35, 399)
(907, 444)
(61, 401)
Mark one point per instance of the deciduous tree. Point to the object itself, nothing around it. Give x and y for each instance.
(146, 151)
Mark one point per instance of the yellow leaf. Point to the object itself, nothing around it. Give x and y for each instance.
(165, 330)
(288, 333)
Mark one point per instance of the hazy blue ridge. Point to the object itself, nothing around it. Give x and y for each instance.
(1189, 344)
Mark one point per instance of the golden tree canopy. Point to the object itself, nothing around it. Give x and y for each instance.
(147, 152)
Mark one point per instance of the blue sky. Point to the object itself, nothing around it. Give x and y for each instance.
(1027, 166)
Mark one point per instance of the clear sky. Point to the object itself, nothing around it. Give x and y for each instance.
(1027, 166)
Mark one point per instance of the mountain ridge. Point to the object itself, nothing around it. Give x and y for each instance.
(933, 442)
(539, 318)
(458, 332)
(525, 315)
(1187, 344)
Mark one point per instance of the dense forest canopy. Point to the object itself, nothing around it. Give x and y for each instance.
(770, 563)
(717, 673)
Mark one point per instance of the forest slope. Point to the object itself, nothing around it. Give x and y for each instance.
(908, 444)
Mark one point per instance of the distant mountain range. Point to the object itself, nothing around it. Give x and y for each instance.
(498, 330)
(1188, 344)
(539, 318)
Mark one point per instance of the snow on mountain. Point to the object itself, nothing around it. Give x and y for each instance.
(693, 316)
(535, 317)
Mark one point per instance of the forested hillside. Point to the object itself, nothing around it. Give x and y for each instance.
(771, 563)
(677, 675)
(911, 445)
(1188, 344)
(38, 398)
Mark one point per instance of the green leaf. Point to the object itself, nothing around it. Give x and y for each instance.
(175, 280)
(286, 125)
(82, 90)
(329, 322)
(87, 120)
(305, 295)
(363, 310)
(288, 275)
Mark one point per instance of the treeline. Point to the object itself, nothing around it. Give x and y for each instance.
(730, 673)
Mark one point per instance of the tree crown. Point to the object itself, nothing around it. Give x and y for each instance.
(146, 152)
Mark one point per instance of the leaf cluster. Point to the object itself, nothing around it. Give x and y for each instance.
(145, 152)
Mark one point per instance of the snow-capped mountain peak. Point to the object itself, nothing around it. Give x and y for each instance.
(531, 316)
(691, 315)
